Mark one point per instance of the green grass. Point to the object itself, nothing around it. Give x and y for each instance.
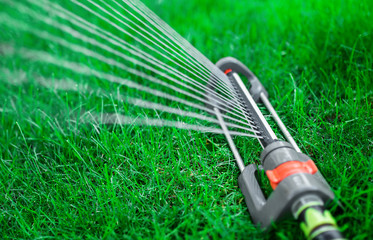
(65, 179)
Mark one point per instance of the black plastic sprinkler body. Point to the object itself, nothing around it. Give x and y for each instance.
(299, 189)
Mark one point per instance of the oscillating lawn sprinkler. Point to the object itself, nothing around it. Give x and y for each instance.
(299, 189)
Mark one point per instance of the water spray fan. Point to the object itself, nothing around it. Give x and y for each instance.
(299, 189)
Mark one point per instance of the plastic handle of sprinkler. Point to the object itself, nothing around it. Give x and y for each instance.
(250, 188)
(236, 66)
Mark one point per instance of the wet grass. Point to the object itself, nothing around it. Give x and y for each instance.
(66, 179)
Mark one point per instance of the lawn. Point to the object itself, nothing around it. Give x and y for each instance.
(63, 178)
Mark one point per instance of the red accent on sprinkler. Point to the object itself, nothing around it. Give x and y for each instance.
(286, 169)
(228, 71)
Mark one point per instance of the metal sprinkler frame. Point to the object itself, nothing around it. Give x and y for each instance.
(299, 189)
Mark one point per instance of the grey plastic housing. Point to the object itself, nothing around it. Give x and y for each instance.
(279, 204)
(278, 153)
(256, 87)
